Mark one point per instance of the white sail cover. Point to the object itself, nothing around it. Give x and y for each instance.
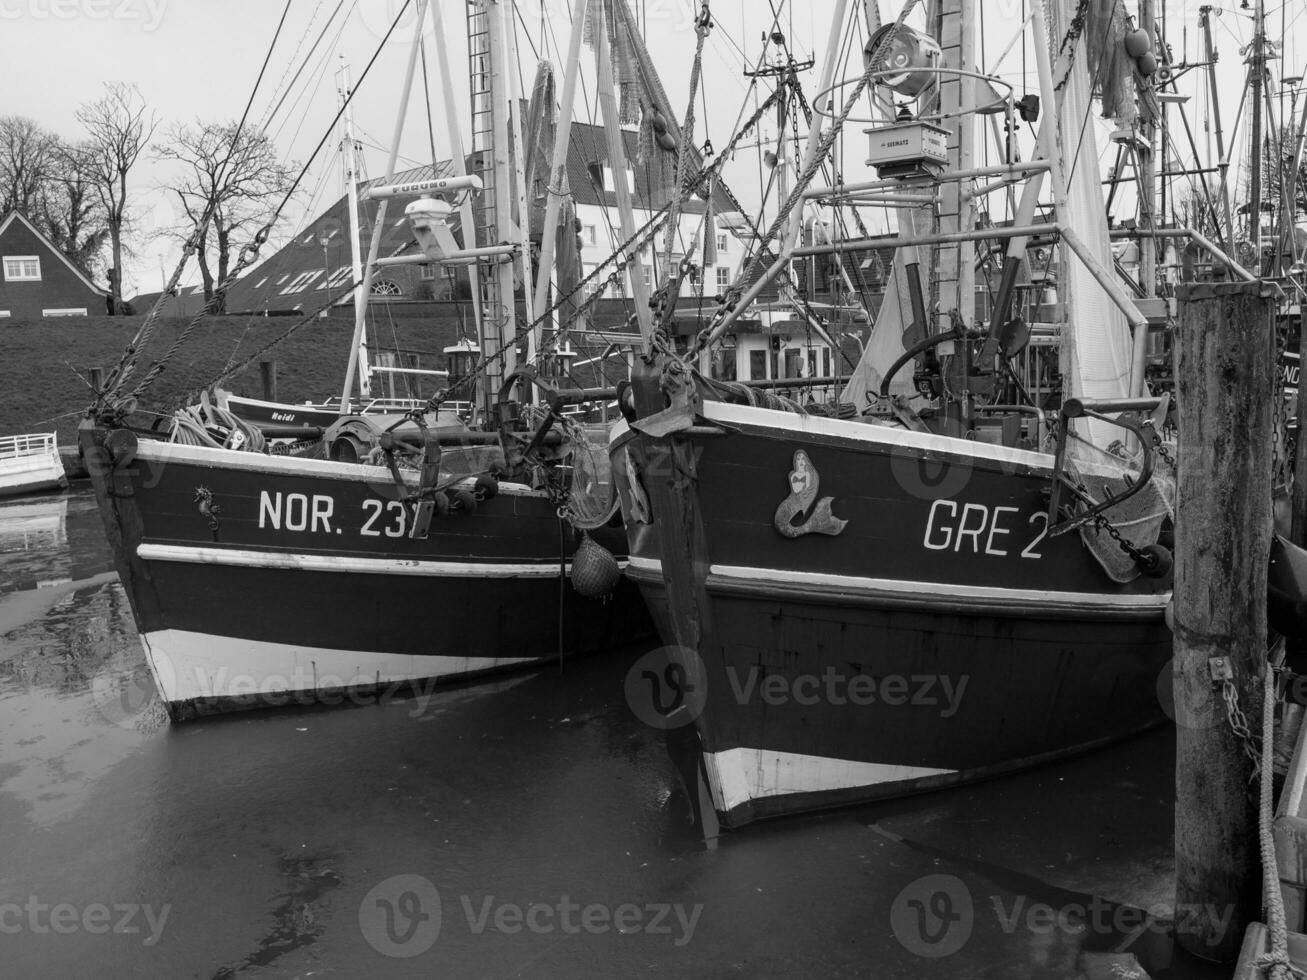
(1096, 342)
(886, 343)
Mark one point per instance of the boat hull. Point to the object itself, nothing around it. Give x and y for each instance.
(925, 633)
(30, 464)
(255, 579)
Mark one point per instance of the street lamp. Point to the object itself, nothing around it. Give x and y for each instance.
(323, 239)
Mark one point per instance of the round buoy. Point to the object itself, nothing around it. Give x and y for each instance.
(485, 486)
(1137, 43)
(659, 122)
(595, 571)
(441, 501)
(1157, 561)
(465, 501)
(1147, 64)
(666, 140)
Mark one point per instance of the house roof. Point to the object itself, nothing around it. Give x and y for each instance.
(294, 276)
(13, 216)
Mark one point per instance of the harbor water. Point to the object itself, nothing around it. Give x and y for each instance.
(528, 827)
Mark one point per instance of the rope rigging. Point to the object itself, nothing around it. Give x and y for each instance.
(248, 253)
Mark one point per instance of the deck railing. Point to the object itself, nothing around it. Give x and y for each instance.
(35, 444)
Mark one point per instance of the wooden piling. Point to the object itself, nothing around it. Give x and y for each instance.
(1224, 383)
(268, 369)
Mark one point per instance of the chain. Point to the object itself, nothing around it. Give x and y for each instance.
(1103, 524)
(1165, 454)
(1279, 424)
(1239, 723)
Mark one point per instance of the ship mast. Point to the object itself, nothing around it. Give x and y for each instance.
(1148, 174)
(349, 164)
(1257, 61)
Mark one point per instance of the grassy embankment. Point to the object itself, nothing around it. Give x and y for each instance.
(40, 360)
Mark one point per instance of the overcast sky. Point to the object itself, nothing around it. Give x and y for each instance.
(198, 60)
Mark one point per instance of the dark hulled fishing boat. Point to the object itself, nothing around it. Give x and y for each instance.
(258, 578)
(868, 607)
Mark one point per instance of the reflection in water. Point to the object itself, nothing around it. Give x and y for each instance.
(34, 524)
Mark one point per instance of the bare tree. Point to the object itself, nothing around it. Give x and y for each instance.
(27, 160)
(72, 212)
(118, 128)
(236, 177)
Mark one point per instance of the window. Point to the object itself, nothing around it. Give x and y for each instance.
(723, 277)
(646, 273)
(723, 363)
(812, 362)
(722, 240)
(825, 361)
(792, 355)
(339, 277)
(386, 287)
(589, 235)
(611, 185)
(22, 268)
(757, 365)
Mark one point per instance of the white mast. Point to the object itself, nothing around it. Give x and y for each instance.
(349, 163)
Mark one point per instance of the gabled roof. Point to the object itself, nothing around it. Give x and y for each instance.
(294, 276)
(51, 247)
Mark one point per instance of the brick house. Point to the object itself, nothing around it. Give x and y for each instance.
(37, 280)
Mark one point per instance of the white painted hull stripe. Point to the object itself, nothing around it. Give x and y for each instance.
(737, 776)
(789, 425)
(344, 563)
(156, 450)
(782, 577)
(188, 665)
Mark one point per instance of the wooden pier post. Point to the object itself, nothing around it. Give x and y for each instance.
(269, 371)
(1224, 383)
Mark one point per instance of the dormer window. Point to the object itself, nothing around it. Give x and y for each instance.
(22, 268)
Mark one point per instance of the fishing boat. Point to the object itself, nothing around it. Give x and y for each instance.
(921, 595)
(437, 550)
(30, 463)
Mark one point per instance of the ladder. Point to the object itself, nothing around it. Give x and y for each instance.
(489, 121)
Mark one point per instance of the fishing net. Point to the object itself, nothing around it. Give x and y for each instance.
(1138, 519)
(591, 502)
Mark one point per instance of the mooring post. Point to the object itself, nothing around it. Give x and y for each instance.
(269, 371)
(1298, 483)
(1224, 385)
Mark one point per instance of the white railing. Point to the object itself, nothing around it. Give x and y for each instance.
(36, 444)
